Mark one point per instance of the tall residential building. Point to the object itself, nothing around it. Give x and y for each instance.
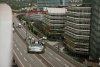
(77, 30)
(64, 2)
(47, 3)
(55, 20)
(95, 31)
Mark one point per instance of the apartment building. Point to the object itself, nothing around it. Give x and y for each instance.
(55, 19)
(77, 30)
(95, 31)
(47, 3)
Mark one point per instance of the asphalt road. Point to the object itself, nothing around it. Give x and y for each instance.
(20, 50)
(50, 56)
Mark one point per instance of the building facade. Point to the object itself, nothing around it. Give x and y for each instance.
(95, 31)
(55, 21)
(47, 3)
(77, 30)
(35, 15)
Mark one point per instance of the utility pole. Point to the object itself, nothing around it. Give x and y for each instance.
(28, 20)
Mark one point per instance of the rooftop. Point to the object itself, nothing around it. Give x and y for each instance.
(56, 10)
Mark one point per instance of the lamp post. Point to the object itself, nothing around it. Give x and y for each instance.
(28, 20)
(59, 40)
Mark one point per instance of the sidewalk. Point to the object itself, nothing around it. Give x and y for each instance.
(56, 44)
(92, 63)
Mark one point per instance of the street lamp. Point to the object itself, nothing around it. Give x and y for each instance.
(28, 20)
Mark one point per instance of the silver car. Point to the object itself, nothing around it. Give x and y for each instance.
(19, 25)
(36, 47)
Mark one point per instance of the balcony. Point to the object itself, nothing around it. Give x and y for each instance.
(77, 31)
(56, 20)
(84, 37)
(81, 49)
(74, 19)
(79, 43)
(75, 41)
(78, 14)
(57, 17)
(57, 25)
(78, 26)
(77, 9)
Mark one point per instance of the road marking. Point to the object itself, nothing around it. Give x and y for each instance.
(23, 31)
(15, 44)
(57, 59)
(20, 53)
(58, 55)
(50, 58)
(24, 51)
(19, 45)
(17, 49)
(40, 61)
(18, 58)
(30, 65)
(66, 65)
(25, 59)
(47, 60)
(31, 58)
(50, 53)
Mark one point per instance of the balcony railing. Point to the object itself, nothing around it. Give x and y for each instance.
(75, 41)
(57, 17)
(75, 19)
(77, 36)
(81, 49)
(78, 26)
(56, 25)
(77, 31)
(85, 44)
(77, 9)
(78, 14)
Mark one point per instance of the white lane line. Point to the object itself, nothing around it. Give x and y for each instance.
(40, 61)
(18, 59)
(58, 55)
(19, 45)
(17, 48)
(47, 61)
(50, 53)
(20, 53)
(15, 44)
(50, 58)
(30, 65)
(24, 51)
(25, 59)
(57, 59)
(31, 58)
(66, 65)
(23, 31)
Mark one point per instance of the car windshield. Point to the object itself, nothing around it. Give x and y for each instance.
(19, 24)
(36, 44)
